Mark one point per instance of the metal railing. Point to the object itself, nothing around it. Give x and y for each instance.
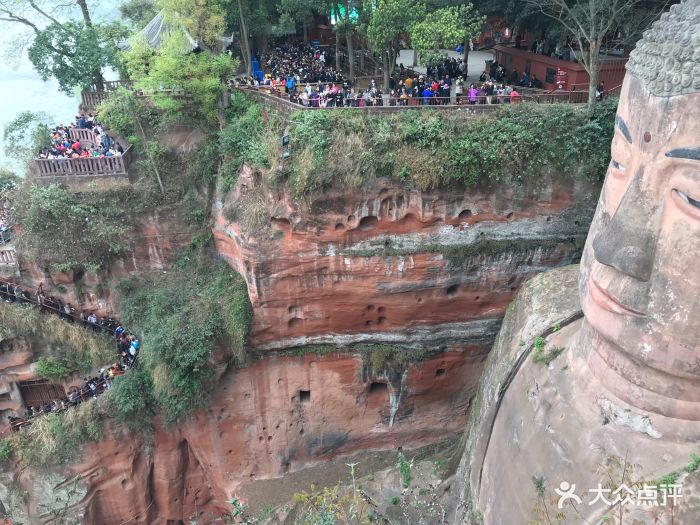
(85, 166)
(481, 102)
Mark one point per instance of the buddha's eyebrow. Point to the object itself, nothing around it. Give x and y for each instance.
(684, 153)
(623, 128)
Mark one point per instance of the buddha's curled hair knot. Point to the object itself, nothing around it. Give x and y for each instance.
(667, 59)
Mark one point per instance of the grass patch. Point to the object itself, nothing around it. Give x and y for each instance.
(542, 355)
(299, 351)
(462, 255)
(60, 347)
(55, 439)
(377, 358)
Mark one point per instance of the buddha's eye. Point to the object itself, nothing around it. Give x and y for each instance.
(617, 165)
(688, 200)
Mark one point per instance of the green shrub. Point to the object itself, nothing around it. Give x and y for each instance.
(426, 150)
(545, 357)
(50, 215)
(5, 449)
(59, 345)
(404, 466)
(182, 316)
(693, 465)
(131, 400)
(60, 367)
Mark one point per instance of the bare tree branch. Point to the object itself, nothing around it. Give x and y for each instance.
(44, 13)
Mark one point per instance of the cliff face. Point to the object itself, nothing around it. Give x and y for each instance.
(155, 242)
(274, 417)
(421, 271)
(385, 263)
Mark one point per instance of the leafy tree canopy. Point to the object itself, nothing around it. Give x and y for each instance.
(73, 53)
(26, 135)
(138, 12)
(446, 27)
(177, 78)
(71, 230)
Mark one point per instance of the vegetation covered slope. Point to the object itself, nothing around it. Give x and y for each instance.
(422, 149)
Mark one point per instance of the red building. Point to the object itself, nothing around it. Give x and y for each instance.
(551, 70)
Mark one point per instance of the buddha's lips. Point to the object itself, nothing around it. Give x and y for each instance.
(606, 301)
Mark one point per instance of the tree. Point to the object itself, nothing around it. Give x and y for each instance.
(27, 135)
(588, 22)
(82, 57)
(205, 20)
(299, 11)
(388, 22)
(138, 12)
(195, 79)
(51, 33)
(446, 27)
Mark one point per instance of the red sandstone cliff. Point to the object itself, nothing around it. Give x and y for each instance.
(365, 265)
(429, 270)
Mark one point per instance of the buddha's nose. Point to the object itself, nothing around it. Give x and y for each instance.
(628, 241)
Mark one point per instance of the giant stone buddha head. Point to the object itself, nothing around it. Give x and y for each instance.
(640, 272)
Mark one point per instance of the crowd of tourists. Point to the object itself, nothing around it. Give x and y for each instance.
(65, 144)
(301, 62)
(127, 350)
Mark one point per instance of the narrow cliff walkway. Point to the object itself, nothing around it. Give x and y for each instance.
(128, 349)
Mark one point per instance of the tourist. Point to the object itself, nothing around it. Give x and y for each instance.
(472, 94)
(600, 91)
(515, 96)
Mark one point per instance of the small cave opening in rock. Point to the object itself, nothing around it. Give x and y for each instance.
(340, 226)
(377, 388)
(440, 372)
(304, 396)
(78, 275)
(452, 290)
(509, 215)
(368, 223)
(294, 322)
(381, 320)
(464, 215)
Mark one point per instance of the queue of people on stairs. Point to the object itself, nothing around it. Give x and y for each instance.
(127, 345)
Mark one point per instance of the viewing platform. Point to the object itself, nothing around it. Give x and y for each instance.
(117, 166)
(287, 104)
(81, 168)
(92, 98)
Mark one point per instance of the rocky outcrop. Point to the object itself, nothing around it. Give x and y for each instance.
(385, 263)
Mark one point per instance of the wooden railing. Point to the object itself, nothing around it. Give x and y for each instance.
(8, 257)
(112, 85)
(92, 99)
(85, 136)
(6, 234)
(85, 166)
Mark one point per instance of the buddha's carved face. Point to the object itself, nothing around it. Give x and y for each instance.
(640, 272)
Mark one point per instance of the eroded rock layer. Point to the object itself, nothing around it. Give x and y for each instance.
(376, 263)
